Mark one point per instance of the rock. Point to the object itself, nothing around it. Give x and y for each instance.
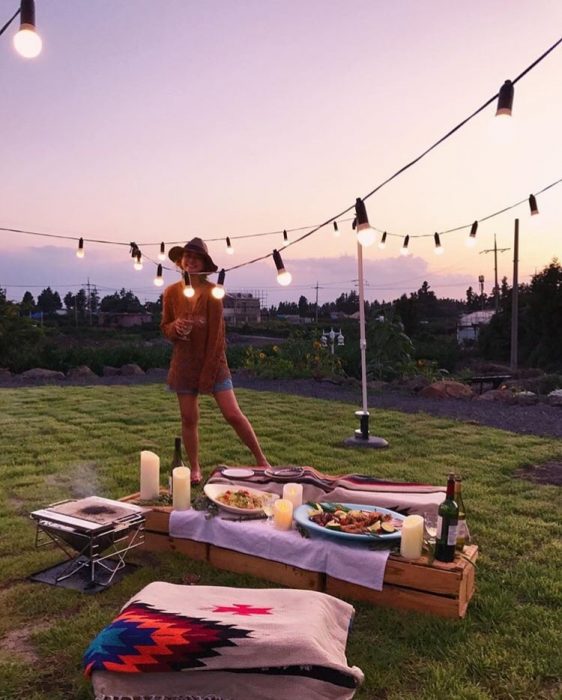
(526, 398)
(447, 390)
(415, 383)
(503, 395)
(39, 373)
(555, 398)
(131, 370)
(109, 371)
(81, 372)
(157, 372)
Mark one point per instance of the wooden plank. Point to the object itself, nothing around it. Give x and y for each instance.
(396, 597)
(283, 574)
(158, 542)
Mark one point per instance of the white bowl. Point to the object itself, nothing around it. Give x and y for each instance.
(213, 491)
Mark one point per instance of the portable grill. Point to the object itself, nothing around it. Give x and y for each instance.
(101, 531)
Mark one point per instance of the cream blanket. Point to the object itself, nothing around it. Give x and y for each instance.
(174, 641)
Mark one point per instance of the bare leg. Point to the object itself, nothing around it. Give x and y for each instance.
(189, 410)
(226, 401)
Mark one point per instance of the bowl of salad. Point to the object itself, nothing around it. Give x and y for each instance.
(244, 501)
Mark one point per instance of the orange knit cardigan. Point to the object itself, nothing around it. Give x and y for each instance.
(199, 362)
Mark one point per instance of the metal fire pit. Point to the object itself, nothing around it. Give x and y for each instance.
(101, 531)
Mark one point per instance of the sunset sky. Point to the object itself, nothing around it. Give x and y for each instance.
(147, 120)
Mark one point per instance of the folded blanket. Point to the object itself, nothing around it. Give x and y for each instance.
(229, 642)
(406, 498)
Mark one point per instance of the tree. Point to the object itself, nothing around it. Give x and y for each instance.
(121, 302)
(48, 301)
(69, 301)
(303, 306)
(27, 303)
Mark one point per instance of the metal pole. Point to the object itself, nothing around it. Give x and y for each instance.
(316, 310)
(362, 335)
(515, 299)
(496, 287)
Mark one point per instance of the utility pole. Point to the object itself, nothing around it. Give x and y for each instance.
(495, 250)
(89, 302)
(515, 299)
(316, 312)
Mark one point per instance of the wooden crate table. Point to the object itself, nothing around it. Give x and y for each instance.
(437, 588)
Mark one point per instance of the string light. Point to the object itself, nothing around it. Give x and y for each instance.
(218, 290)
(188, 290)
(471, 240)
(26, 41)
(365, 232)
(229, 248)
(283, 277)
(404, 250)
(533, 205)
(439, 250)
(162, 253)
(159, 280)
(382, 242)
(505, 99)
(138, 260)
(336, 230)
(80, 249)
(285, 235)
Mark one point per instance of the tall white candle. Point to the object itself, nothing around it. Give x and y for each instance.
(293, 493)
(412, 537)
(181, 477)
(149, 475)
(283, 514)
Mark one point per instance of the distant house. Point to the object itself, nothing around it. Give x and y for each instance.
(469, 325)
(240, 308)
(123, 319)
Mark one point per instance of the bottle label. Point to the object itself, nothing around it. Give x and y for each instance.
(452, 534)
(439, 527)
(462, 530)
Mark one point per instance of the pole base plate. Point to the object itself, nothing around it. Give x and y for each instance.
(372, 442)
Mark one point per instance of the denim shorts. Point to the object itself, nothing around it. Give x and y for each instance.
(225, 385)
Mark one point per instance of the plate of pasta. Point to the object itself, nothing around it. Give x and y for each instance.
(244, 501)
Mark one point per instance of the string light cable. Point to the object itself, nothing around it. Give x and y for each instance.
(335, 218)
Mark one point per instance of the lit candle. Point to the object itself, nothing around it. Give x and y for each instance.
(181, 477)
(149, 475)
(412, 537)
(293, 493)
(283, 514)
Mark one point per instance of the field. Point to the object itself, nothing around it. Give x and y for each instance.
(62, 442)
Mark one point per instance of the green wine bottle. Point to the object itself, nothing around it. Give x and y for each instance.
(447, 522)
(462, 530)
(177, 461)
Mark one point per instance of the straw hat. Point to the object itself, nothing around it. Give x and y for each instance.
(195, 245)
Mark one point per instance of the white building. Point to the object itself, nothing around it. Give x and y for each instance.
(469, 325)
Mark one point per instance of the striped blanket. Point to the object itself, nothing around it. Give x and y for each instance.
(404, 497)
(173, 641)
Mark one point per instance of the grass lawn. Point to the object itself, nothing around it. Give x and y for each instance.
(62, 442)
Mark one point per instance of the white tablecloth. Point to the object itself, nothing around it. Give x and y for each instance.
(355, 563)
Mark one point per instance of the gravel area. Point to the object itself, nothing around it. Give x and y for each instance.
(539, 419)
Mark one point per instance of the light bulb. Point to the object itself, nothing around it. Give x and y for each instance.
(218, 292)
(27, 42)
(188, 291)
(439, 250)
(404, 251)
(470, 242)
(284, 278)
(366, 236)
(158, 281)
(80, 253)
(138, 263)
(230, 250)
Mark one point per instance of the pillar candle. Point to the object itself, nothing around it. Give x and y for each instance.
(181, 477)
(412, 537)
(149, 475)
(283, 514)
(293, 493)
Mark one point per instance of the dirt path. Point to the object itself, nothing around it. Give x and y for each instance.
(540, 419)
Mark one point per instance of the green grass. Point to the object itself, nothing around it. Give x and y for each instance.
(61, 442)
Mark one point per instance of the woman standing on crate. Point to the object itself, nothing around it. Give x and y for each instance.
(194, 323)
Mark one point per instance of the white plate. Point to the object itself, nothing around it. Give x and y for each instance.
(284, 473)
(237, 473)
(213, 491)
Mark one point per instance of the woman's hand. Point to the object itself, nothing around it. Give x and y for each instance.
(183, 327)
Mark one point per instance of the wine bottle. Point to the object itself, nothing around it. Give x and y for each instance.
(177, 461)
(462, 531)
(447, 522)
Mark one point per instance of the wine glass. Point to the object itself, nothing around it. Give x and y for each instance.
(267, 501)
(430, 527)
(185, 326)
